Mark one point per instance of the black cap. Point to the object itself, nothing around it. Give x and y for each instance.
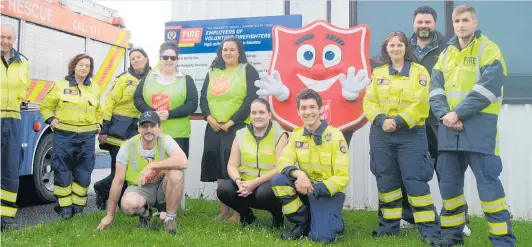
(149, 116)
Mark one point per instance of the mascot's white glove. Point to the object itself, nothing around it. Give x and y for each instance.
(352, 85)
(272, 86)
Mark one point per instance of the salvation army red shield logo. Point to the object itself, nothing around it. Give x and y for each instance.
(315, 56)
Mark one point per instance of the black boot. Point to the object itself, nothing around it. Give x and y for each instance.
(297, 232)
(247, 219)
(65, 213)
(76, 210)
(430, 240)
(378, 233)
(102, 189)
(277, 221)
(9, 224)
(448, 242)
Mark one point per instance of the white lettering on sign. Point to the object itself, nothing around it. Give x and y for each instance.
(85, 27)
(32, 9)
(192, 34)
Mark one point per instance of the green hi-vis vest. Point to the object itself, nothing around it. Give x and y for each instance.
(136, 162)
(168, 97)
(226, 92)
(257, 157)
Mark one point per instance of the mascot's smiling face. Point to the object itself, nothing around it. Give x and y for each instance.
(314, 56)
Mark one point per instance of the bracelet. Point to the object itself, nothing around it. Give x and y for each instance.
(236, 179)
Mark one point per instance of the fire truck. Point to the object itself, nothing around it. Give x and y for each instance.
(49, 33)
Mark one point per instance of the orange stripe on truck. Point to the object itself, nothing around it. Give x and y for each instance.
(108, 74)
(110, 63)
(38, 89)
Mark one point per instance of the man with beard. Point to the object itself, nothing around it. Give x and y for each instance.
(428, 44)
(153, 165)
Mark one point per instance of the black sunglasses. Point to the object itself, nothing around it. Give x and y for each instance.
(173, 58)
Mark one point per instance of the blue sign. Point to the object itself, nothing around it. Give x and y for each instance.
(205, 36)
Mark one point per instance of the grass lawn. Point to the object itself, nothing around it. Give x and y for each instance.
(199, 228)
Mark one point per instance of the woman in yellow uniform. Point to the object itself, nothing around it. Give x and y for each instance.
(120, 117)
(251, 167)
(72, 109)
(171, 93)
(226, 96)
(397, 104)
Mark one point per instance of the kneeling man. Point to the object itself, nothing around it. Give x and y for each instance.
(313, 193)
(152, 163)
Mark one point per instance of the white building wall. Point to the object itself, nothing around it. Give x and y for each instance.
(516, 154)
(515, 134)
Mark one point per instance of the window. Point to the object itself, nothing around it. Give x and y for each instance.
(383, 17)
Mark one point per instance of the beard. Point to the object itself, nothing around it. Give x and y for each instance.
(425, 34)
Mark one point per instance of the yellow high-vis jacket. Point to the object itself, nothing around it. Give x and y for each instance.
(403, 96)
(322, 156)
(77, 108)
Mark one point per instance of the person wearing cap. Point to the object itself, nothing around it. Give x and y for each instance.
(153, 165)
(120, 117)
(171, 93)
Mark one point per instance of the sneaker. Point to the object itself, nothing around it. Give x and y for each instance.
(144, 220)
(467, 231)
(170, 226)
(406, 225)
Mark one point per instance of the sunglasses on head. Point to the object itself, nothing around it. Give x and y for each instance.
(173, 58)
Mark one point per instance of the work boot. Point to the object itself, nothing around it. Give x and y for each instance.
(247, 219)
(170, 225)
(447, 242)
(65, 213)
(9, 225)
(430, 239)
(76, 210)
(277, 221)
(297, 232)
(378, 233)
(144, 220)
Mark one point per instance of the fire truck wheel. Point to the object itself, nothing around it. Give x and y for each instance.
(43, 176)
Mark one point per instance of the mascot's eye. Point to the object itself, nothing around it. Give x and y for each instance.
(308, 55)
(305, 55)
(332, 55)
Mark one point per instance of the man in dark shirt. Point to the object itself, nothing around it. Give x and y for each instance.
(428, 44)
